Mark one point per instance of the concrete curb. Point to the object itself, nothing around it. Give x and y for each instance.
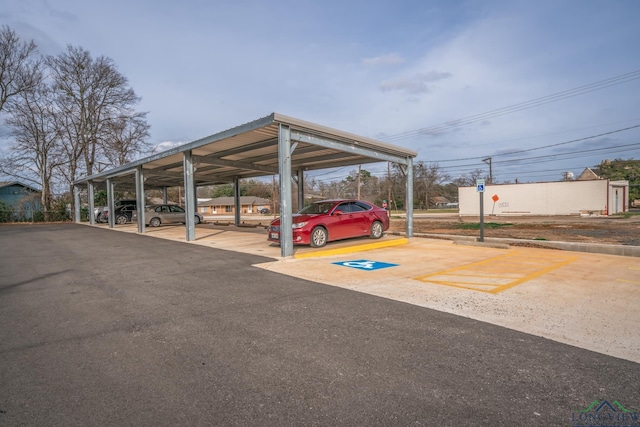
(485, 244)
(620, 250)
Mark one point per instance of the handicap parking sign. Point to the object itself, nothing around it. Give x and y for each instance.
(366, 265)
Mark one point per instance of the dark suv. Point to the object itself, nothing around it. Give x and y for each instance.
(102, 212)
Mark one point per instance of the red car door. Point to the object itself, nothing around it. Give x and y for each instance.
(342, 223)
(361, 219)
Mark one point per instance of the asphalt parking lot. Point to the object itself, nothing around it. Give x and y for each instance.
(110, 328)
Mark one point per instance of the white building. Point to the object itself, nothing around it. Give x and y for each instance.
(593, 197)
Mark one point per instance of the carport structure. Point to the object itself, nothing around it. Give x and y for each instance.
(273, 145)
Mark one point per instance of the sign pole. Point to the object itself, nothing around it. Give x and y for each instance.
(481, 217)
(480, 189)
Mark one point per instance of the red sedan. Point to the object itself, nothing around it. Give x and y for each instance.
(329, 220)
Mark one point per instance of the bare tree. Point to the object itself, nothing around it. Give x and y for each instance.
(428, 179)
(369, 185)
(96, 106)
(20, 68)
(36, 146)
(125, 138)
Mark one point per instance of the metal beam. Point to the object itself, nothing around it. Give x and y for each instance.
(247, 147)
(216, 161)
(337, 164)
(160, 173)
(347, 147)
(274, 156)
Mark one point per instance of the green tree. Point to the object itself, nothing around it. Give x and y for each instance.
(622, 170)
(5, 212)
(224, 190)
(100, 198)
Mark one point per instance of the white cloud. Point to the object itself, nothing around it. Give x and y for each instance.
(166, 145)
(388, 59)
(413, 85)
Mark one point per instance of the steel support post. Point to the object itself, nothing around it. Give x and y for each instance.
(91, 199)
(409, 197)
(140, 199)
(76, 203)
(236, 200)
(111, 202)
(284, 167)
(189, 196)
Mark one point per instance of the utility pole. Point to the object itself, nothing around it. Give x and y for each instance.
(389, 185)
(359, 172)
(488, 161)
(274, 196)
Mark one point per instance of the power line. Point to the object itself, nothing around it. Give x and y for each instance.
(548, 157)
(542, 147)
(494, 142)
(602, 84)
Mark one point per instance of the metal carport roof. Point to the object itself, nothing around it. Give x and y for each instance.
(253, 149)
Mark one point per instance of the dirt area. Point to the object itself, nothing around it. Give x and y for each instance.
(615, 230)
(591, 229)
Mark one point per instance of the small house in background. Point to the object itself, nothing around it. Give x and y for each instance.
(587, 175)
(439, 201)
(226, 206)
(20, 200)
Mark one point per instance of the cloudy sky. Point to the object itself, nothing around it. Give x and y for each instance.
(541, 87)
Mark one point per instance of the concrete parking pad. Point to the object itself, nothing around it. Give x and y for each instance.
(583, 299)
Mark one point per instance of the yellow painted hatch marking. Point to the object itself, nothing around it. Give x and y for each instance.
(499, 273)
(635, 282)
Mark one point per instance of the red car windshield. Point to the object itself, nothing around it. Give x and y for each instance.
(317, 208)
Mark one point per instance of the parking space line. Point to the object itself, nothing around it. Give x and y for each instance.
(497, 274)
(635, 282)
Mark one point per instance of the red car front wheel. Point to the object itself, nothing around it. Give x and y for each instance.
(318, 237)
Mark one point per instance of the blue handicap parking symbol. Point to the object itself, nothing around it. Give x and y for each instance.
(364, 264)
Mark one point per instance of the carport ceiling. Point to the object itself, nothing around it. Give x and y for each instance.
(251, 150)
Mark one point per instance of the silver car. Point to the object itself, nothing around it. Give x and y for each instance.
(154, 215)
